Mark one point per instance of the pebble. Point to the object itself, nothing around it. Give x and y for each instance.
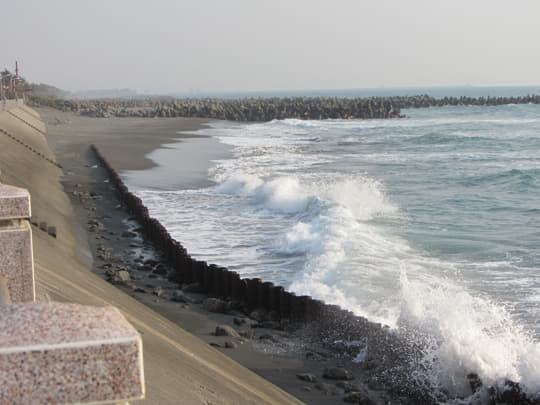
(226, 330)
(337, 373)
(307, 377)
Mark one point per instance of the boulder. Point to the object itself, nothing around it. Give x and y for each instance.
(122, 275)
(326, 389)
(215, 305)
(337, 373)
(226, 330)
(179, 296)
(307, 377)
(160, 269)
(230, 345)
(348, 387)
(358, 397)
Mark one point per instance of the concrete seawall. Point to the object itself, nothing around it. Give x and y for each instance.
(179, 368)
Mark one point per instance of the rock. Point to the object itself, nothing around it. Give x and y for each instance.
(327, 389)
(474, 382)
(226, 330)
(117, 259)
(513, 394)
(230, 345)
(128, 234)
(246, 333)
(358, 397)
(337, 373)
(259, 315)
(347, 386)
(178, 296)
(307, 377)
(139, 289)
(150, 262)
(215, 305)
(214, 344)
(160, 269)
(158, 291)
(51, 230)
(122, 275)
(95, 226)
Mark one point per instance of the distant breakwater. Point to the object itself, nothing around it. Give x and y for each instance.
(249, 109)
(390, 359)
(267, 109)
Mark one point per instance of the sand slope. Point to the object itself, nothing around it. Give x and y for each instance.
(179, 368)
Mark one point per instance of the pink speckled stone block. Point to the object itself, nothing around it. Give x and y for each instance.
(59, 353)
(16, 261)
(14, 202)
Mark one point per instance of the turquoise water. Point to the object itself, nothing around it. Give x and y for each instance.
(429, 223)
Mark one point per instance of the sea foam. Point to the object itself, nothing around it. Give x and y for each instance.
(398, 221)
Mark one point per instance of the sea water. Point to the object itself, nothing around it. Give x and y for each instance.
(428, 223)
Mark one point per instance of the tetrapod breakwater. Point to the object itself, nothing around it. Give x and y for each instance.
(270, 108)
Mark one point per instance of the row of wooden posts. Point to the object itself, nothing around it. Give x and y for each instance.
(215, 280)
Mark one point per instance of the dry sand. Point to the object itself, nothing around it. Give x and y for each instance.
(179, 367)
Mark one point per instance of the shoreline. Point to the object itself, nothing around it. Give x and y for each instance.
(179, 368)
(280, 355)
(197, 153)
(102, 222)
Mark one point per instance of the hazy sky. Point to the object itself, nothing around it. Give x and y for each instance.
(242, 45)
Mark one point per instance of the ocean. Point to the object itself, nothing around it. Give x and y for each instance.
(428, 223)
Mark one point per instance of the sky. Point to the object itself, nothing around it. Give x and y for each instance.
(166, 46)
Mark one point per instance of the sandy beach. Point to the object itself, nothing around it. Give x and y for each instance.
(103, 241)
(179, 367)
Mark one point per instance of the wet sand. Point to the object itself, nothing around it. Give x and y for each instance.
(275, 355)
(179, 367)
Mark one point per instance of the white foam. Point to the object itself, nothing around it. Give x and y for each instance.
(283, 194)
(466, 334)
(240, 184)
(322, 231)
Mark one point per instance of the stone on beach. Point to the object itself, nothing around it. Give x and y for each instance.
(215, 305)
(337, 373)
(358, 397)
(226, 330)
(307, 377)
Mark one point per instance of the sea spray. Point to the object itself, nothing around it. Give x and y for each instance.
(427, 225)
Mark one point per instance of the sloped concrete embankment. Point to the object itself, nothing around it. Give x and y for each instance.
(179, 368)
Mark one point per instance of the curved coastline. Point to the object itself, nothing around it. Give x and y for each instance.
(179, 367)
(390, 361)
(391, 357)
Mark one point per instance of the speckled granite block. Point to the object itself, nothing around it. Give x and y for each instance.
(16, 262)
(14, 202)
(68, 353)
